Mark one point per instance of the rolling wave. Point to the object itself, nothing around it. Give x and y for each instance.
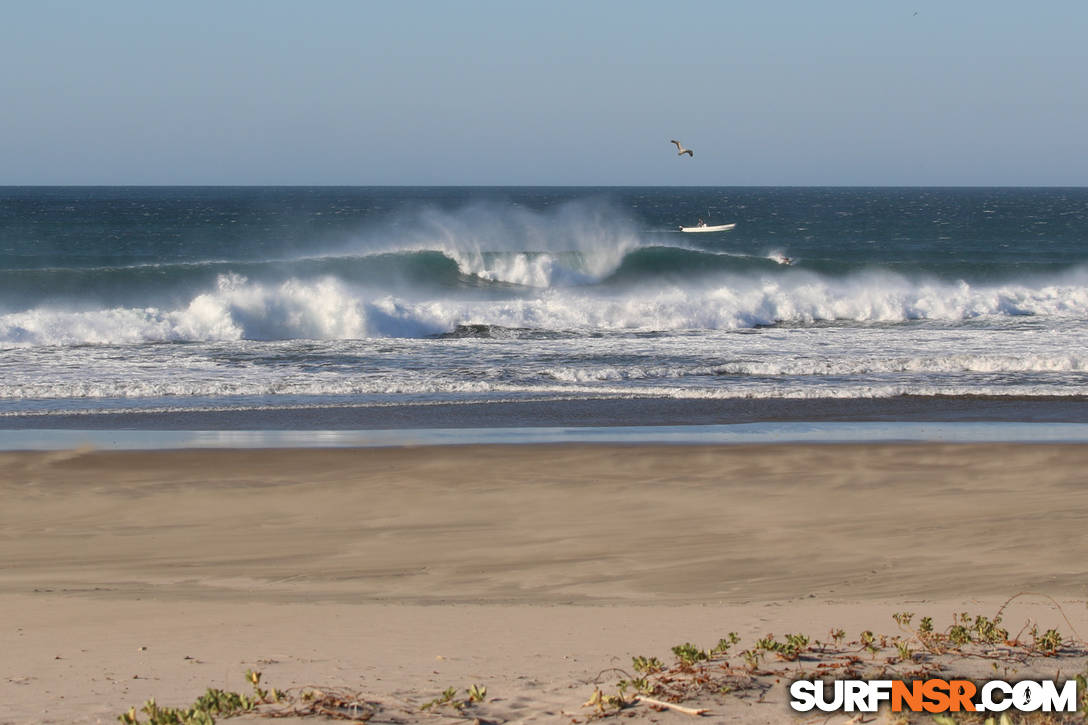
(427, 272)
(428, 269)
(334, 306)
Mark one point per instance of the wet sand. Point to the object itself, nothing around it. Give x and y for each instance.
(573, 413)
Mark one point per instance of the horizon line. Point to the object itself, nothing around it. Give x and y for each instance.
(544, 186)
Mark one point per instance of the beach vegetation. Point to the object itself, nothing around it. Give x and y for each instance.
(790, 649)
(725, 643)
(869, 643)
(212, 704)
(959, 634)
(647, 665)
(605, 704)
(699, 675)
(449, 698)
(639, 684)
(217, 704)
(989, 630)
(752, 658)
(979, 628)
(921, 650)
(1049, 642)
(689, 654)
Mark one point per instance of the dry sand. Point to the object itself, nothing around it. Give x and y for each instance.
(529, 569)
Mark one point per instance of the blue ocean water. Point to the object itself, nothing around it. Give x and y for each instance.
(252, 298)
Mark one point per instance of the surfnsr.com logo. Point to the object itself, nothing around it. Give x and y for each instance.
(933, 696)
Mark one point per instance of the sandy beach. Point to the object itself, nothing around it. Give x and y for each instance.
(532, 570)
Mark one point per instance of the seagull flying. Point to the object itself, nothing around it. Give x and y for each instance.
(681, 150)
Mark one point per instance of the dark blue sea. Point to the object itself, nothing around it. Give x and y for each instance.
(296, 304)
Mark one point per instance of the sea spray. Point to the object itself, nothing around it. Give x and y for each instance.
(329, 308)
(249, 298)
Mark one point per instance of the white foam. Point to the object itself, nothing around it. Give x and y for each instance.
(577, 242)
(780, 365)
(497, 392)
(327, 308)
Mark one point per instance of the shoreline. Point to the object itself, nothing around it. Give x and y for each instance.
(588, 412)
(786, 433)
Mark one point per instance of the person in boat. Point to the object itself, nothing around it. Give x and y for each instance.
(701, 223)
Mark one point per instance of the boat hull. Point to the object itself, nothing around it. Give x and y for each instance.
(719, 228)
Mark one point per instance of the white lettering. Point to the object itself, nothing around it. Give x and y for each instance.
(854, 697)
(1027, 696)
(803, 693)
(1064, 701)
(989, 704)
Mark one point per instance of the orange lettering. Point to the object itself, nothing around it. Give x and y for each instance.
(936, 691)
(961, 692)
(912, 696)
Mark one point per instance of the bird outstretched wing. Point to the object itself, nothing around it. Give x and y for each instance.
(680, 150)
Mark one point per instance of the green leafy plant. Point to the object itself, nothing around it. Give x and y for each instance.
(640, 685)
(959, 634)
(601, 702)
(725, 643)
(1049, 642)
(213, 703)
(791, 649)
(446, 698)
(647, 665)
(752, 658)
(689, 654)
(990, 631)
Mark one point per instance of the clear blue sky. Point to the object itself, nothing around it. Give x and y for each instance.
(860, 92)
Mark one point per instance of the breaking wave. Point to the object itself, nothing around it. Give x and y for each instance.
(581, 267)
(236, 307)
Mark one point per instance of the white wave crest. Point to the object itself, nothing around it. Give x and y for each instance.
(237, 309)
(327, 308)
(541, 269)
(577, 242)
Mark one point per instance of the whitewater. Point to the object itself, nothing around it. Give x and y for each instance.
(188, 299)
